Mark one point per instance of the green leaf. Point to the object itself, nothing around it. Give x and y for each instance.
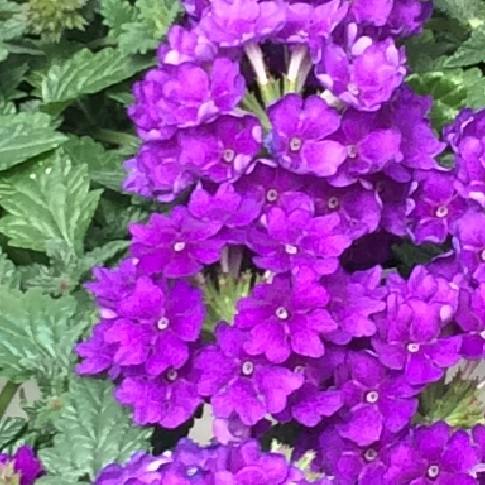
(471, 12)
(9, 276)
(93, 430)
(11, 75)
(105, 166)
(10, 429)
(471, 52)
(87, 72)
(37, 334)
(49, 204)
(12, 25)
(117, 13)
(26, 135)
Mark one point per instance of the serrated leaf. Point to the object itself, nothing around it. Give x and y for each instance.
(93, 430)
(102, 254)
(87, 72)
(11, 74)
(105, 166)
(49, 204)
(26, 135)
(9, 277)
(37, 334)
(471, 52)
(10, 429)
(117, 13)
(470, 12)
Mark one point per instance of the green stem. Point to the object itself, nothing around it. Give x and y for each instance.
(6, 396)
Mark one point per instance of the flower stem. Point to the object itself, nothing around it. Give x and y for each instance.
(6, 396)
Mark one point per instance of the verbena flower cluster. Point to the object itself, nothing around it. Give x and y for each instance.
(290, 145)
(21, 468)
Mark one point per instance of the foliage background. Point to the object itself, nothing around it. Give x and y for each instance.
(66, 70)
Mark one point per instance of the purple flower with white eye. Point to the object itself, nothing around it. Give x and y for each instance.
(185, 45)
(168, 400)
(156, 172)
(177, 245)
(228, 206)
(299, 136)
(285, 316)
(368, 78)
(376, 400)
(354, 299)
(410, 330)
(222, 150)
(178, 96)
(435, 208)
(470, 244)
(369, 146)
(433, 455)
(359, 207)
(239, 383)
(232, 23)
(298, 242)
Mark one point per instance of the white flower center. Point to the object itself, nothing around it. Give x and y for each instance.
(290, 249)
(228, 155)
(482, 334)
(333, 202)
(370, 454)
(295, 144)
(413, 348)
(271, 195)
(482, 255)
(433, 471)
(172, 374)
(353, 89)
(372, 397)
(179, 246)
(247, 368)
(191, 471)
(163, 323)
(441, 211)
(281, 313)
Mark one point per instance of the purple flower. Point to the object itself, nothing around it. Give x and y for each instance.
(408, 16)
(177, 245)
(353, 300)
(23, 467)
(140, 469)
(470, 244)
(375, 12)
(185, 46)
(285, 316)
(368, 78)
(248, 386)
(231, 23)
(436, 208)
(376, 400)
(433, 455)
(298, 242)
(178, 96)
(358, 207)
(411, 328)
(222, 150)
(168, 400)
(369, 146)
(299, 131)
(156, 171)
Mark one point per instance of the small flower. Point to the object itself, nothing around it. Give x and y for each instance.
(470, 244)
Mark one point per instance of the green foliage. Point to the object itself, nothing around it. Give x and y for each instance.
(93, 430)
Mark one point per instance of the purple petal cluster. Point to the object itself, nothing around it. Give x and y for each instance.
(22, 467)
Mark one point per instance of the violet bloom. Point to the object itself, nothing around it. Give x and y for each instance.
(222, 150)
(368, 78)
(228, 206)
(177, 245)
(436, 207)
(408, 17)
(140, 469)
(22, 468)
(376, 400)
(470, 244)
(168, 400)
(248, 386)
(156, 172)
(370, 147)
(231, 23)
(185, 45)
(194, 8)
(298, 242)
(354, 299)
(375, 12)
(358, 207)
(285, 316)
(155, 326)
(300, 128)
(433, 455)
(173, 97)
(411, 328)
